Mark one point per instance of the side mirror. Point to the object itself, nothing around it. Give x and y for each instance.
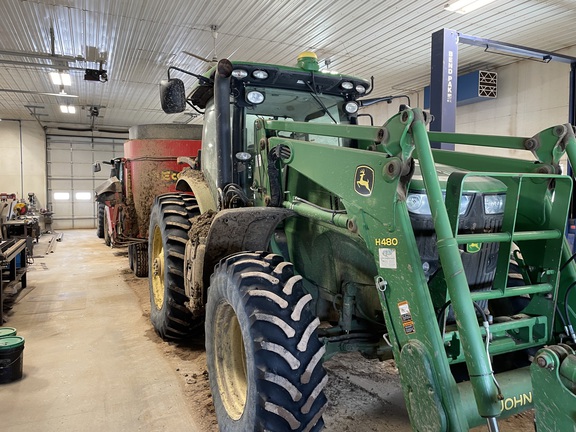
(96, 167)
(172, 96)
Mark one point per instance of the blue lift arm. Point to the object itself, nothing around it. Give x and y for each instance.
(444, 72)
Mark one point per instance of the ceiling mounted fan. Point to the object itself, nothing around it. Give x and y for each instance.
(214, 30)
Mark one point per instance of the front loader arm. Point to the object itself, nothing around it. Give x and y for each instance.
(370, 185)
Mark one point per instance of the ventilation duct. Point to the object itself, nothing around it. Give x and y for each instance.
(473, 87)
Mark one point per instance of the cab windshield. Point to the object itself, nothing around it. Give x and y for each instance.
(290, 105)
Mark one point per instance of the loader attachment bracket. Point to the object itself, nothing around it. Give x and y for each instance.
(554, 386)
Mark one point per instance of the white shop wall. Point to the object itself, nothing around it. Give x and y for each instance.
(23, 159)
(71, 180)
(531, 96)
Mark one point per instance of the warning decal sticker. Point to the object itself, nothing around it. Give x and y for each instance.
(406, 317)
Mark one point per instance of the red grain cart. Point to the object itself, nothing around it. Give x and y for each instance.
(149, 168)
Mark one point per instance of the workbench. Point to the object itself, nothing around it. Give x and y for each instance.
(25, 228)
(13, 268)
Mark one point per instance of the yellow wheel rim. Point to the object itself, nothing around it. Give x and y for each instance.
(157, 270)
(230, 356)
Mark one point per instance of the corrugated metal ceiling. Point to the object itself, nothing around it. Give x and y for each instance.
(140, 38)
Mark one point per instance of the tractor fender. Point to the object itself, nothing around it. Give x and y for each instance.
(243, 229)
(192, 180)
(231, 231)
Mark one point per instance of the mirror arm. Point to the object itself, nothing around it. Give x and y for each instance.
(202, 79)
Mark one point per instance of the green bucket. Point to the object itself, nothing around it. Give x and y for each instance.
(7, 332)
(11, 357)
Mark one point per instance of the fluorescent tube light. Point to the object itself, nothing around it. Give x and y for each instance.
(61, 78)
(465, 6)
(68, 109)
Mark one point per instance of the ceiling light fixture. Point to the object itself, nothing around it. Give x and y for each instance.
(96, 75)
(465, 6)
(38, 93)
(68, 109)
(61, 78)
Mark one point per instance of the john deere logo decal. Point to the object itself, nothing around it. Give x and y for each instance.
(473, 247)
(364, 180)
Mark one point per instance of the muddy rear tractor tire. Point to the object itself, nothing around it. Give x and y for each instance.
(263, 352)
(100, 220)
(168, 234)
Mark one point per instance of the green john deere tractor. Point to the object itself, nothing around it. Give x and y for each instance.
(298, 234)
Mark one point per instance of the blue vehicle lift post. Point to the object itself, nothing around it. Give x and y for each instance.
(444, 74)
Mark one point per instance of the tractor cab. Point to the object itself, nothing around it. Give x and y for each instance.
(112, 190)
(247, 92)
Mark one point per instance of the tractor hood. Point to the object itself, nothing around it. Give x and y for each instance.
(472, 185)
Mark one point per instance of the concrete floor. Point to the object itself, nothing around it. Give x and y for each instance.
(88, 364)
(93, 363)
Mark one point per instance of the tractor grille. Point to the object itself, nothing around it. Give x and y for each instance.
(480, 266)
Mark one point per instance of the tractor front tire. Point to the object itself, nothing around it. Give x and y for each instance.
(168, 234)
(100, 220)
(263, 352)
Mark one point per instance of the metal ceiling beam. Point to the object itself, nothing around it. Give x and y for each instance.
(36, 115)
(42, 55)
(40, 65)
(518, 50)
(38, 93)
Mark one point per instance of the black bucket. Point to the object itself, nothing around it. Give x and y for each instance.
(11, 357)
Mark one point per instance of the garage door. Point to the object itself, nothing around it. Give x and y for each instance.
(71, 181)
